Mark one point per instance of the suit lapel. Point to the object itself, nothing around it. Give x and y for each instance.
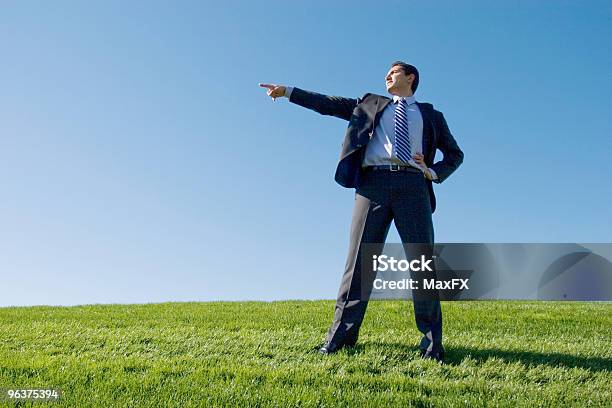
(383, 102)
(427, 128)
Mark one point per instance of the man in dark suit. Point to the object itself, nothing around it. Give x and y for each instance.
(388, 157)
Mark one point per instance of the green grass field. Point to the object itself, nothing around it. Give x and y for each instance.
(263, 354)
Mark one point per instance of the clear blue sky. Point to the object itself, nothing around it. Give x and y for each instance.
(140, 161)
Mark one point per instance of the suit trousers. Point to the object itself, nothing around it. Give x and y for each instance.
(384, 196)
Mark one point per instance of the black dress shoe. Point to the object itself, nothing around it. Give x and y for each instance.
(433, 355)
(350, 343)
(329, 348)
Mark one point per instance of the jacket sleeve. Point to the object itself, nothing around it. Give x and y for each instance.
(452, 154)
(326, 105)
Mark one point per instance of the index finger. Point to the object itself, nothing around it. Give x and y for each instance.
(269, 86)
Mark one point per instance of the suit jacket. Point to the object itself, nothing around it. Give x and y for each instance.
(363, 115)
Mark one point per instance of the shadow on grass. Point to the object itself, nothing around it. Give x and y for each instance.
(456, 355)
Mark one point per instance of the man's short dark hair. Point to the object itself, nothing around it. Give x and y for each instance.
(409, 69)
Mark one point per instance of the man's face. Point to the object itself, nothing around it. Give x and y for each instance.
(398, 81)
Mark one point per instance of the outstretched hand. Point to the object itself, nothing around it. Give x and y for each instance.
(274, 91)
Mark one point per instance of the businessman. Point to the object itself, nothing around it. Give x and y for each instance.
(388, 157)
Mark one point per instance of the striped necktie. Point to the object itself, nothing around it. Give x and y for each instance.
(402, 137)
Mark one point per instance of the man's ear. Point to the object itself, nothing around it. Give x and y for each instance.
(411, 77)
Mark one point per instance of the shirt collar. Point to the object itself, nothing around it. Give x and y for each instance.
(409, 99)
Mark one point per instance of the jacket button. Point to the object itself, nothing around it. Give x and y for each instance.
(359, 145)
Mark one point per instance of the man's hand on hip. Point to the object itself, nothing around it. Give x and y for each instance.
(274, 91)
(420, 160)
